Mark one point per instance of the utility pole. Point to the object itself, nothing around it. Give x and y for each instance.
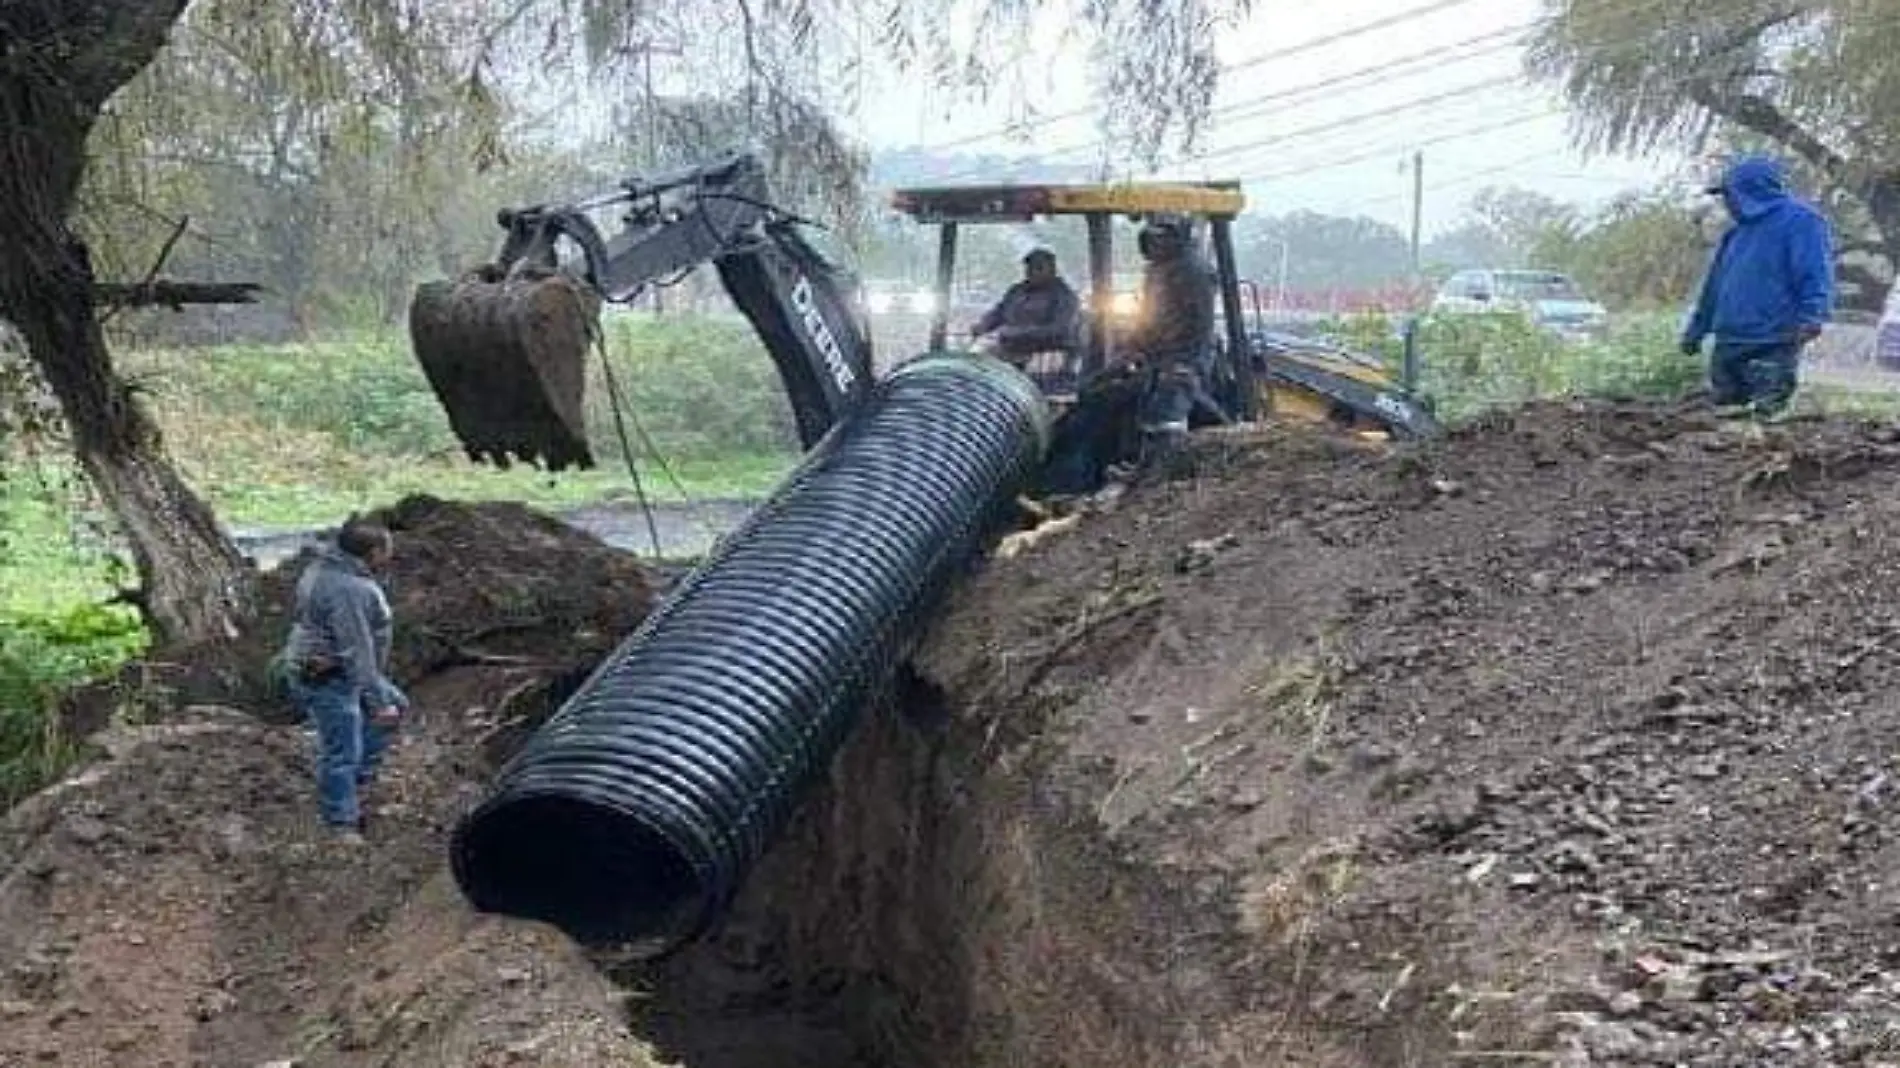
(1418, 215)
(1279, 299)
(1409, 374)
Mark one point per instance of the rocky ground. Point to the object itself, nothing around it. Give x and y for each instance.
(1568, 740)
(1573, 738)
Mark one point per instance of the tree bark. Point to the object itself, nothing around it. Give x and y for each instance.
(67, 59)
(195, 584)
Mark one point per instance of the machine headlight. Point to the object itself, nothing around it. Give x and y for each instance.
(1125, 304)
(923, 302)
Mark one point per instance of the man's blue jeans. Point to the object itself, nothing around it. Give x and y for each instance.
(349, 746)
(1759, 374)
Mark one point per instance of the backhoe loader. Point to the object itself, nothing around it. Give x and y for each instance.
(505, 347)
(1309, 383)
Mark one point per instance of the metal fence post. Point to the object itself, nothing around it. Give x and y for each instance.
(1409, 371)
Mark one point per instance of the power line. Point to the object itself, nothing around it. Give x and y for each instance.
(1360, 140)
(1351, 121)
(1354, 122)
(1254, 105)
(1681, 78)
(1386, 152)
(1316, 129)
(1395, 19)
(1388, 71)
(1459, 179)
(1251, 104)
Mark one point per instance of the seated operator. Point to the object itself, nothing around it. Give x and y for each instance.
(1175, 341)
(1036, 315)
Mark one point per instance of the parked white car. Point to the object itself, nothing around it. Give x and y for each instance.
(1550, 300)
(904, 298)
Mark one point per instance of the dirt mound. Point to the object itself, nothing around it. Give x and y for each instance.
(470, 582)
(176, 903)
(176, 906)
(1569, 738)
(491, 583)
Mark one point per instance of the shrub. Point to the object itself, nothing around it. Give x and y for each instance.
(41, 656)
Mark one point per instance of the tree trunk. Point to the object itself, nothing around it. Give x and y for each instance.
(1882, 197)
(195, 584)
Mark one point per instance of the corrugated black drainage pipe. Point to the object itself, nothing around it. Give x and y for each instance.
(632, 817)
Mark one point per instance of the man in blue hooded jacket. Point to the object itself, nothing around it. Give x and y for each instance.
(1769, 291)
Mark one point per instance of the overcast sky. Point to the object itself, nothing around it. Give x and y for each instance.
(1446, 81)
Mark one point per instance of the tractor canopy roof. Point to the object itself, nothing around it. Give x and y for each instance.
(1020, 203)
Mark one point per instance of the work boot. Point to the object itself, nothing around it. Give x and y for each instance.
(1774, 415)
(346, 836)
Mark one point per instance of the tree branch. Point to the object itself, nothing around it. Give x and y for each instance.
(160, 293)
(1870, 288)
(158, 264)
(1757, 113)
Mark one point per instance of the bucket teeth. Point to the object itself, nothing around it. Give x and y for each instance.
(508, 361)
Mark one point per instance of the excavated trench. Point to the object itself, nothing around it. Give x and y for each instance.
(851, 877)
(927, 907)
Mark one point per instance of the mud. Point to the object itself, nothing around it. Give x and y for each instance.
(1571, 736)
(1567, 740)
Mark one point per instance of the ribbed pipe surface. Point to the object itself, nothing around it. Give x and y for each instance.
(633, 816)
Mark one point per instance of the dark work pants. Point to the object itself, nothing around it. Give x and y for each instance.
(1755, 373)
(1177, 377)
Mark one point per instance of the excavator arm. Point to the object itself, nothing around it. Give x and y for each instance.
(504, 348)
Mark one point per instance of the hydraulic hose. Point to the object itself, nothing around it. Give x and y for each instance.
(634, 815)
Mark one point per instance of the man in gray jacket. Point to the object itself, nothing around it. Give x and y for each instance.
(336, 661)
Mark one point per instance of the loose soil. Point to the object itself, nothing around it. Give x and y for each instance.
(176, 903)
(1569, 739)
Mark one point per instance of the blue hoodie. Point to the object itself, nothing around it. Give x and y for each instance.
(1774, 270)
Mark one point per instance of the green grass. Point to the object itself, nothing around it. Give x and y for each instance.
(295, 435)
(42, 656)
(54, 556)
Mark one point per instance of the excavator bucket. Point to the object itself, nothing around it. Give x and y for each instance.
(507, 357)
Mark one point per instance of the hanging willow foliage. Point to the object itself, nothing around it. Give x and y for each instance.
(1812, 77)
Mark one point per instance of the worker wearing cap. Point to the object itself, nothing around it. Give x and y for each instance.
(1174, 339)
(1036, 315)
(1768, 293)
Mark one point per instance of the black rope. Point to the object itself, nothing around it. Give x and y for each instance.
(616, 402)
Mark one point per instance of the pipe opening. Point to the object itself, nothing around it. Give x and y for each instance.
(601, 876)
